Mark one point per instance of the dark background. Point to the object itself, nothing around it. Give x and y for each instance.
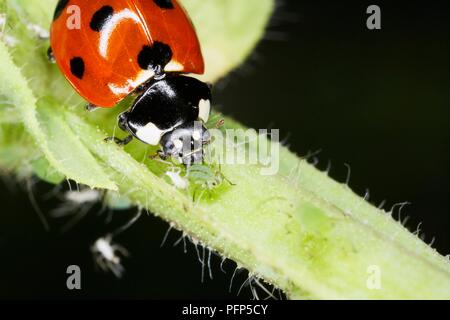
(377, 100)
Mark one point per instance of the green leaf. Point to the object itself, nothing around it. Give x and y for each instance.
(60, 146)
(43, 169)
(228, 31)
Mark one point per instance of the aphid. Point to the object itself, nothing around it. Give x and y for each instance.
(85, 195)
(206, 178)
(38, 30)
(177, 180)
(10, 41)
(142, 48)
(78, 203)
(107, 255)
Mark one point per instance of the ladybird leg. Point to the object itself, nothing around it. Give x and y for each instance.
(120, 142)
(159, 154)
(50, 55)
(91, 107)
(141, 88)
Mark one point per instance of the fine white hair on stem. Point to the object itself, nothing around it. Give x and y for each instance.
(203, 263)
(222, 263)
(432, 241)
(269, 294)
(246, 282)
(166, 235)
(405, 221)
(418, 229)
(367, 195)
(284, 141)
(349, 173)
(382, 204)
(209, 264)
(199, 258)
(184, 245)
(328, 169)
(183, 236)
(400, 206)
(232, 278)
(253, 291)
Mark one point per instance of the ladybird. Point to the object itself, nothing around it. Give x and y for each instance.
(110, 49)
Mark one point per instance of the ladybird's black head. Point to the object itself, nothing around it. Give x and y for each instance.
(168, 111)
(185, 143)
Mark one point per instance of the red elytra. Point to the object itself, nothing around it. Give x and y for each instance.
(98, 53)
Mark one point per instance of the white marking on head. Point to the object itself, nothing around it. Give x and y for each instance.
(173, 66)
(204, 107)
(150, 134)
(110, 27)
(196, 135)
(178, 144)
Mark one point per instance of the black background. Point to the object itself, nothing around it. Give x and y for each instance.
(377, 100)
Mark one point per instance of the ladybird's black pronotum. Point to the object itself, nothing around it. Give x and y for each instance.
(128, 47)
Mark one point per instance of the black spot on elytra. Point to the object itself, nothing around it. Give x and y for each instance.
(59, 8)
(155, 57)
(100, 17)
(77, 67)
(164, 4)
